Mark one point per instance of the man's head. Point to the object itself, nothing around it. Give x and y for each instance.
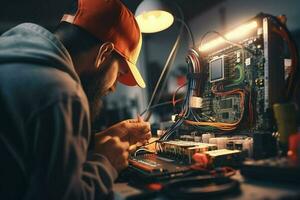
(104, 42)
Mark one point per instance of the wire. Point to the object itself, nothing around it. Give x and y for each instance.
(182, 20)
(161, 104)
(187, 27)
(226, 40)
(165, 69)
(208, 117)
(286, 35)
(144, 145)
(221, 125)
(250, 108)
(185, 109)
(169, 61)
(194, 87)
(174, 94)
(142, 149)
(220, 35)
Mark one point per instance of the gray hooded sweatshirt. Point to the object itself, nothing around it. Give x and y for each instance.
(44, 123)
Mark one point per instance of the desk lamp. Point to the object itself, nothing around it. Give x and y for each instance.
(154, 16)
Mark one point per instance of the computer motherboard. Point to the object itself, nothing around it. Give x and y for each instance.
(241, 80)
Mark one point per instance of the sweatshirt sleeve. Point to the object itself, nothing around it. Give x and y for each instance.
(60, 168)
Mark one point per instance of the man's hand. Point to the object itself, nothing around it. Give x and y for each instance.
(131, 130)
(115, 151)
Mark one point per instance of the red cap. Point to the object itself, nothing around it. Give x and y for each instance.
(111, 21)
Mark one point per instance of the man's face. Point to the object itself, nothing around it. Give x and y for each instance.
(100, 82)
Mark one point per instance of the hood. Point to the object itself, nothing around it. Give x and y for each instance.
(31, 43)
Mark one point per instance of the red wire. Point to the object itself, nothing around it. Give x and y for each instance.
(174, 94)
(293, 53)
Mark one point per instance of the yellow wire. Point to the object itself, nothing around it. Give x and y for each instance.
(222, 125)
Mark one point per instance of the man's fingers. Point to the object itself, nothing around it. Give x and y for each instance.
(138, 126)
(117, 141)
(132, 148)
(131, 120)
(125, 155)
(125, 145)
(145, 136)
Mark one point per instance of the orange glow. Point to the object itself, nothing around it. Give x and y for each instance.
(237, 33)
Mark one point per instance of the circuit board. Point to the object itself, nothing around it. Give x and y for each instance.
(238, 76)
(241, 82)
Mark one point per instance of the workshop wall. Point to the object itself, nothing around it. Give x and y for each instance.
(230, 13)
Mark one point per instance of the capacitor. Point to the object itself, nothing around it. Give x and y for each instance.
(212, 140)
(206, 137)
(221, 142)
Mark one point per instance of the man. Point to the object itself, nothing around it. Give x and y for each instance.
(45, 80)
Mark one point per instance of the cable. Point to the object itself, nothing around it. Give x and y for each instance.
(188, 116)
(142, 149)
(182, 20)
(220, 35)
(144, 145)
(188, 30)
(185, 109)
(165, 69)
(170, 60)
(161, 104)
(174, 94)
(286, 35)
(221, 125)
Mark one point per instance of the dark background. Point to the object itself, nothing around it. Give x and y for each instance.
(48, 12)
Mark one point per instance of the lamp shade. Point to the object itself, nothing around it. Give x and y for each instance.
(153, 16)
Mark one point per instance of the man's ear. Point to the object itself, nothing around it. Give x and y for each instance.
(104, 52)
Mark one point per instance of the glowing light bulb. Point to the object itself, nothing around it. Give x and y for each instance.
(154, 21)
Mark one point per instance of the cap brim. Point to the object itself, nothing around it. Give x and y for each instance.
(133, 77)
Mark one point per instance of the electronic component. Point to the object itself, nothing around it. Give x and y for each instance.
(175, 156)
(227, 108)
(206, 137)
(183, 150)
(221, 142)
(225, 157)
(244, 144)
(195, 102)
(226, 103)
(238, 88)
(151, 165)
(241, 143)
(216, 69)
